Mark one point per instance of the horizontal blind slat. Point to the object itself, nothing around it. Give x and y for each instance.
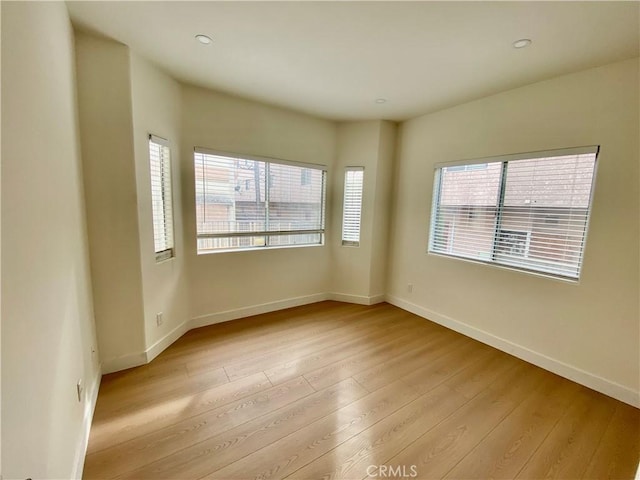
(240, 200)
(352, 205)
(161, 195)
(538, 224)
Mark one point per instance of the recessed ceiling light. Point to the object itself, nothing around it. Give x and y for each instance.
(203, 39)
(522, 43)
(381, 100)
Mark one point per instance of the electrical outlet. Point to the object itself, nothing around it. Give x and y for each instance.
(79, 388)
(159, 319)
(409, 287)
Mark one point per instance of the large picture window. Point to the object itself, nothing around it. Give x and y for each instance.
(251, 202)
(526, 211)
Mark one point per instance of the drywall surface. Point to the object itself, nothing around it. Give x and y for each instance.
(223, 282)
(47, 314)
(106, 127)
(0, 279)
(590, 327)
(156, 100)
(351, 266)
(382, 208)
(358, 271)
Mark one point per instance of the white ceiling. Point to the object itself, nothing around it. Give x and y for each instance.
(333, 59)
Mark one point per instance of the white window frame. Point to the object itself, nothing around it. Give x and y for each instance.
(352, 238)
(505, 159)
(167, 249)
(267, 233)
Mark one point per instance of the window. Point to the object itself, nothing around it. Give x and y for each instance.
(251, 202)
(160, 169)
(352, 210)
(527, 211)
(305, 176)
(467, 167)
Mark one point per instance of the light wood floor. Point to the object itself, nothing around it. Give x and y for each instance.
(334, 390)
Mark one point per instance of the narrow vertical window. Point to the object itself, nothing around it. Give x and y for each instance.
(160, 169)
(352, 212)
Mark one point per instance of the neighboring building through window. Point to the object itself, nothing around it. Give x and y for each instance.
(162, 208)
(252, 202)
(352, 206)
(526, 211)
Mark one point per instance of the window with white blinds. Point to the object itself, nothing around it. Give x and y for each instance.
(352, 206)
(252, 202)
(160, 169)
(526, 211)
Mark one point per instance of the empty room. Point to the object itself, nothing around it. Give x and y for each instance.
(304, 240)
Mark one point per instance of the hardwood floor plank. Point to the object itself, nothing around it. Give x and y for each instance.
(385, 438)
(287, 455)
(618, 455)
(438, 450)
(445, 362)
(411, 359)
(344, 327)
(321, 358)
(143, 374)
(139, 451)
(382, 352)
(261, 331)
(567, 450)
(484, 371)
(508, 447)
(221, 450)
(114, 401)
(356, 386)
(286, 351)
(132, 423)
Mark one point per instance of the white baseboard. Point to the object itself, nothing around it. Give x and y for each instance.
(377, 299)
(157, 348)
(571, 372)
(91, 397)
(142, 358)
(359, 299)
(213, 318)
(130, 360)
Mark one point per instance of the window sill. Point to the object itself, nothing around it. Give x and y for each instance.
(257, 249)
(347, 243)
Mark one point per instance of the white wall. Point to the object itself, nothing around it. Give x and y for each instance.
(47, 329)
(380, 230)
(357, 146)
(359, 272)
(106, 126)
(236, 282)
(0, 276)
(157, 102)
(588, 330)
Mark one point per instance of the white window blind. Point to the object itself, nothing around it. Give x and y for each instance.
(352, 206)
(526, 211)
(160, 169)
(254, 202)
